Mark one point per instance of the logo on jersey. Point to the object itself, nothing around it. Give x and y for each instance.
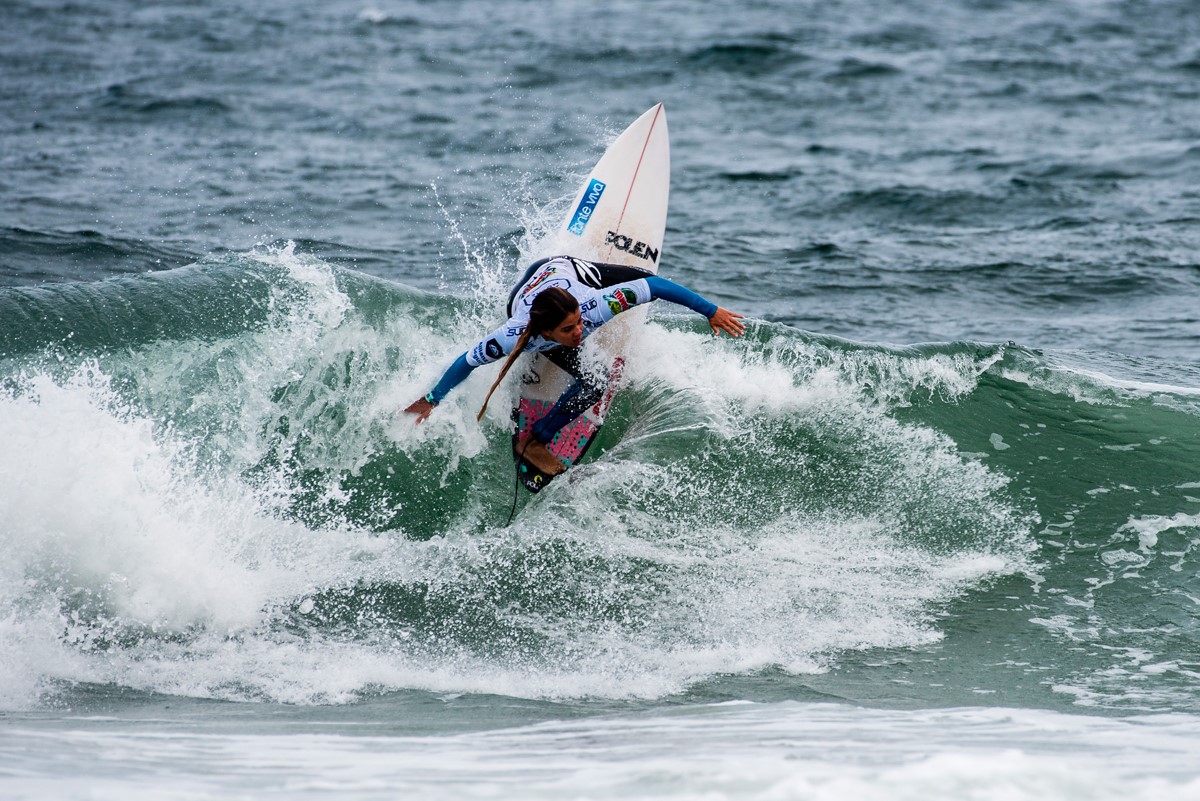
(587, 272)
(546, 278)
(627, 245)
(537, 281)
(587, 205)
(486, 352)
(621, 300)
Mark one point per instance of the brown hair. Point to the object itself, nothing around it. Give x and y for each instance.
(550, 307)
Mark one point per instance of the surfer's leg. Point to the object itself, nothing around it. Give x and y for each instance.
(579, 397)
(574, 402)
(582, 395)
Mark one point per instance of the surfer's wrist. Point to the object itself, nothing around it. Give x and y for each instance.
(432, 401)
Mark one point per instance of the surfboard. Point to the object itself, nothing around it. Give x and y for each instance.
(618, 216)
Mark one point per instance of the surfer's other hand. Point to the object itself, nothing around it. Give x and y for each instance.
(422, 408)
(727, 321)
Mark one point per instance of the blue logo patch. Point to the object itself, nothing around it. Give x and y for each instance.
(587, 205)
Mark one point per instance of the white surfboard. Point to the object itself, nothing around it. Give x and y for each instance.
(620, 211)
(618, 216)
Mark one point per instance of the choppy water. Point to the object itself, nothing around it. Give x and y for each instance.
(821, 561)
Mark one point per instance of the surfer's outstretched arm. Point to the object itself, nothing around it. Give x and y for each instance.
(485, 351)
(455, 374)
(719, 319)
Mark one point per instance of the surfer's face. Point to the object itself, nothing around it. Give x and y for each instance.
(569, 332)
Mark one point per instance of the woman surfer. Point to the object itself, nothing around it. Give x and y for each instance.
(557, 304)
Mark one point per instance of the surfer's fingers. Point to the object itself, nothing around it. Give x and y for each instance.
(421, 408)
(727, 321)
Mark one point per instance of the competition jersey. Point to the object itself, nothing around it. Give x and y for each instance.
(596, 306)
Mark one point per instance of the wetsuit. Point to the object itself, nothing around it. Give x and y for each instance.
(603, 291)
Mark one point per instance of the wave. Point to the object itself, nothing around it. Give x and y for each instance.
(754, 56)
(943, 209)
(30, 257)
(210, 491)
(128, 103)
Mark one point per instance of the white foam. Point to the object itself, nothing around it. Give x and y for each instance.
(107, 535)
(1149, 528)
(752, 752)
(95, 498)
(373, 15)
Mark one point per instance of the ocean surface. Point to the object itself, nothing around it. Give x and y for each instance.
(930, 530)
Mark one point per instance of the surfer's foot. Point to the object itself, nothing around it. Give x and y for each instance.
(536, 454)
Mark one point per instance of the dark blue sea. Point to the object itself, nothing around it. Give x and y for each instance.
(930, 530)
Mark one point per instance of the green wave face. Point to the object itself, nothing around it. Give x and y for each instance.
(211, 490)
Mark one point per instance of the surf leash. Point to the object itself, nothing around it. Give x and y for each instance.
(517, 481)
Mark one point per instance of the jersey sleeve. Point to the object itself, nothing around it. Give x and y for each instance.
(455, 374)
(619, 298)
(496, 344)
(624, 296)
(669, 290)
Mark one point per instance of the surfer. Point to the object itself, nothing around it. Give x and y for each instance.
(555, 306)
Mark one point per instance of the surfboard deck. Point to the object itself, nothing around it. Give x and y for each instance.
(618, 216)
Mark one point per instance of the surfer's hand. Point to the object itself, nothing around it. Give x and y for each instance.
(421, 408)
(727, 321)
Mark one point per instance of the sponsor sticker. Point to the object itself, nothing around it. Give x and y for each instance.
(587, 272)
(493, 349)
(628, 245)
(547, 278)
(587, 205)
(621, 300)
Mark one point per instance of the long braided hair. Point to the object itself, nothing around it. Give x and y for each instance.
(550, 307)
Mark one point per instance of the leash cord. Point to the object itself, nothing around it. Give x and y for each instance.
(517, 481)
